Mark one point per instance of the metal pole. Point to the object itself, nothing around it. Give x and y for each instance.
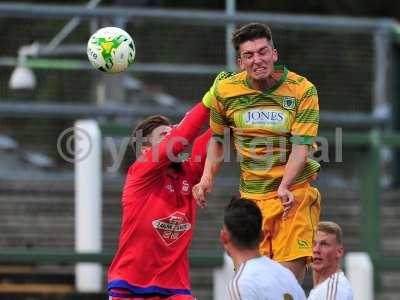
(68, 28)
(88, 235)
(230, 9)
(212, 18)
(370, 195)
(370, 199)
(380, 88)
(395, 96)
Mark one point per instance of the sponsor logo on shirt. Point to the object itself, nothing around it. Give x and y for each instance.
(185, 187)
(172, 228)
(264, 117)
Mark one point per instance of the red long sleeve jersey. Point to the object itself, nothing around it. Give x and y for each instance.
(158, 216)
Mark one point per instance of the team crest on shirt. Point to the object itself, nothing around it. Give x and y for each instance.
(289, 102)
(172, 228)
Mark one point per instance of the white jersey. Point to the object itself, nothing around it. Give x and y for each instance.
(264, 279)
(335, 287)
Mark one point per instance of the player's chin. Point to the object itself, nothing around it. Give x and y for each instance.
(259, 75)
(317, 266)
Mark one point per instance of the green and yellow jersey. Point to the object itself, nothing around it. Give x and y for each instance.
(264, 125)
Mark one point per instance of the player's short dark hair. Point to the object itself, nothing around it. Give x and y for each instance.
(145, 128)
(250, 32)
(243, 220)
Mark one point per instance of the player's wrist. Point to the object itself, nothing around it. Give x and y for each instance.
(207, 179)
(283, 186)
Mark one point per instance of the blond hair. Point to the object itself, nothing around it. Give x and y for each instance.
(331, 228)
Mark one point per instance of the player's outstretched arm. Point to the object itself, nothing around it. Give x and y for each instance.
(218, 123)
(199, 154)
(213, 163)
(161, 155)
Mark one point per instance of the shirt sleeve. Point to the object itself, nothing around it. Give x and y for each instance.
(242, 290)
(161, 155)
(248, 294)
(248, 291)
(331, 290)
(199, 154)
(344, 292)
(305, 127)
(218, 119)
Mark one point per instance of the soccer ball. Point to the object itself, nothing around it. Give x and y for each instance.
(111, 50)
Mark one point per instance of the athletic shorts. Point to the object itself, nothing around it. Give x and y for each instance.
(290, 238)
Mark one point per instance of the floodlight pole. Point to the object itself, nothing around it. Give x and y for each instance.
(230, 9)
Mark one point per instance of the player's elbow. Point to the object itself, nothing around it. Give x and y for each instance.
(300, 153)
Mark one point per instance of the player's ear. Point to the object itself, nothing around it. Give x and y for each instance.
(262, 234)
(144, 149)
(274, 55)
(240, 62)
(340, 252)
(224, 236)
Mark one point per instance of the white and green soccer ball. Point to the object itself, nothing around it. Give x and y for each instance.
(111, 50)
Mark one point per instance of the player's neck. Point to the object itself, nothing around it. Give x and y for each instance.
(263, 85)
(267, 83)
(174, 168)
(319, 277)
(241, 256)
